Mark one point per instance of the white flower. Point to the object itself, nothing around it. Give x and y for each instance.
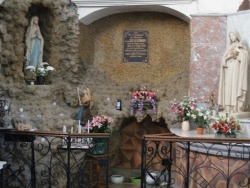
(44, 63)
(40, 69)
(200, 114)
(49, 68)
(30, 67)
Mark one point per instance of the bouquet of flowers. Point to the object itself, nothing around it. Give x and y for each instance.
(201, 117)
(183, 109)
(100, 124)
(143, 100)
(40, 71)
(226, 126)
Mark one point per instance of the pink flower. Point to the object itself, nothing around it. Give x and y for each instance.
(181, 111)
(174, 109)
(100, 124)
(151, 94)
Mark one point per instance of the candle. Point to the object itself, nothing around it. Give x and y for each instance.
(64, 129)
(72, 130)
(79, 128)
(88, 126)
(214, 113)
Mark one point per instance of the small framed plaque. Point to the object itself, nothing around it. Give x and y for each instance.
(135, 46)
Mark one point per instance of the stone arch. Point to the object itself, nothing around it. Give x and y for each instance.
(103, 12)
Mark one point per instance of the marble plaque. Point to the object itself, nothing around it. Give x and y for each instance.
(135, 46)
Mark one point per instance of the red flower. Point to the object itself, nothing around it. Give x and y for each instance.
(226, 126)
(215, 126)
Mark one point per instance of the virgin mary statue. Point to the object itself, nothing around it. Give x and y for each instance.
(34, 44)
(233, 76)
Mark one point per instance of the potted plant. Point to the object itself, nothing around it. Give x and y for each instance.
(99, 124)
(143, 100)
(227, 127)
(201, 117)
(183, 110)
(40, 72)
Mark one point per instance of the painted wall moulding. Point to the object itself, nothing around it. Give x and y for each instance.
(106, 3)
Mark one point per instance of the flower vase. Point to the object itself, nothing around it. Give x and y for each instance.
(40, 80)
(100, 146)
(200, 130)
(231, 135)
(220, 135)
(185, 125)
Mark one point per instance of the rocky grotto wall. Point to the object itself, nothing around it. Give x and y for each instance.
(58, 22)
(89, 57)
(167, 70)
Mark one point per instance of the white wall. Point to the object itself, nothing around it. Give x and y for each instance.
(89, 12)
(240, 21)
(218, 6)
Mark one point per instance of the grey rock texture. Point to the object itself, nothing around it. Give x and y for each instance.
(89, 56)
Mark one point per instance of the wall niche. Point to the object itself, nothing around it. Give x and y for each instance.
(46, 19)
(45, 23)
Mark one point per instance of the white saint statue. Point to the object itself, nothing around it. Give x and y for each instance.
(34, 44)
(233, 85)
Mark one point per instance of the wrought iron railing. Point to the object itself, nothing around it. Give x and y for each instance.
(177, 162)
(47, 159)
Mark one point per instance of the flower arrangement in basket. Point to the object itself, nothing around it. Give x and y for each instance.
(100, 124)
(183, 109)
(226, 126)
(143, 100)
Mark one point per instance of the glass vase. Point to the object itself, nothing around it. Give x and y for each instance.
(99, 146)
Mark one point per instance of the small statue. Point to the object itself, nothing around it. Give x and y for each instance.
(84, 113)
(211, 98)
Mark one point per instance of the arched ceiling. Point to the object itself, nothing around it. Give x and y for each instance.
(98, 13)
